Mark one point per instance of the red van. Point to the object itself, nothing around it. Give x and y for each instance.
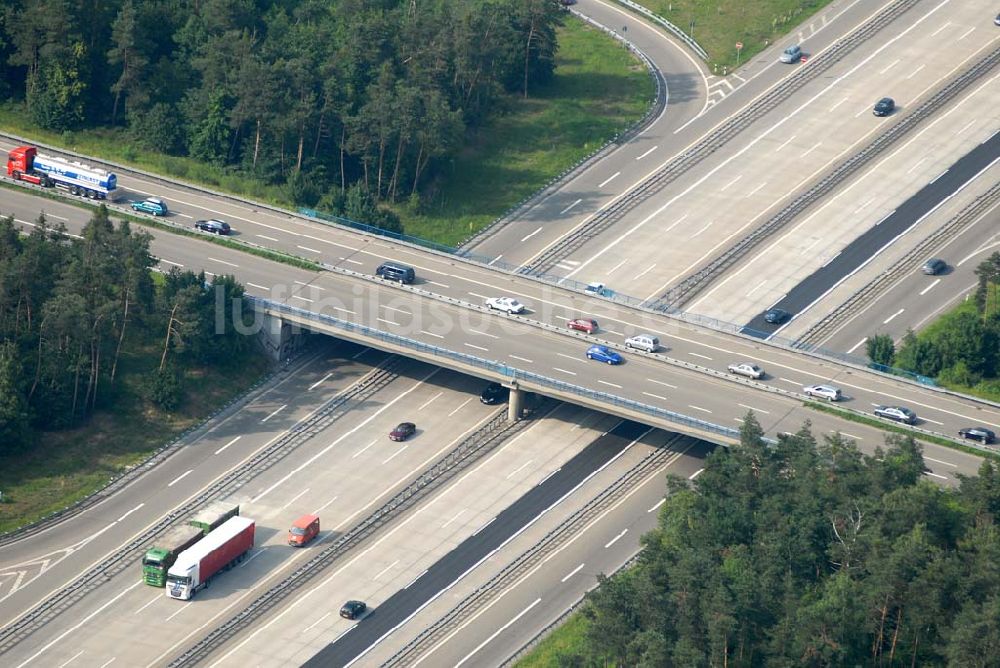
(303, 530)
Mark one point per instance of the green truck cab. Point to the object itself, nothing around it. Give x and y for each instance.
(163, 554)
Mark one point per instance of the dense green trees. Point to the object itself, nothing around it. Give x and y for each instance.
(70, 308)
(333, 93)
(809, 554)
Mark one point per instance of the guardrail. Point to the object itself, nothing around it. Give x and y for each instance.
(511, 373)
(674, 30)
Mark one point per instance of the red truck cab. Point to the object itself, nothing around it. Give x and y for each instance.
(303, 530)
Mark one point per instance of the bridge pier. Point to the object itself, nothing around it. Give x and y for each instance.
(278, 338)
(515, 405)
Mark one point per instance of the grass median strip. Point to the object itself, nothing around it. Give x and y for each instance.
(897, 429)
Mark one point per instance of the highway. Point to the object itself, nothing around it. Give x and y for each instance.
(559, 353)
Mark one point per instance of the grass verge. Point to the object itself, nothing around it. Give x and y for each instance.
(566, 640)
(717, 26)
(67, 466)
(897, 429)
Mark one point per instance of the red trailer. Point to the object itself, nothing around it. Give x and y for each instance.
(221, 549)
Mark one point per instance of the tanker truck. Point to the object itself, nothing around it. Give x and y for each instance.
(196, 566)
(25, 163)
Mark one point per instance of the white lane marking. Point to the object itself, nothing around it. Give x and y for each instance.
(966, 33)
(655, 396)
(347, 259)
(844, 433)
(938, 461)
(943, 27)
(658, 504)
(71, 659)
(699, 408)
(313, 625)
(695, 474)
(647, 153)
(393, 308)
(265, 237)
(295, 498)
(840, 102)
(310, 285)
(305, 299)
(707, 225)
(130, 512)
(889, 319)
(492, 336)
(525, 238)
(645, 271)
(704, 357)
(660, 382)
(754, 191)
(323, 507)
(572, 373)
(608, 180)
(345, 310)
(455, 517)
(259, 287)
(618, 266)
(915, 72)
(934, 421)
(364, 448)
(108, 662)
(475, 294)
(228, 444)
(569, 207)
(572, 573)
(393, 455)
(388, 322)
(440, 285)
(935, 475)
(276, 411)
(498, 632)
(518, 469)
(460, 406)
(615, 539)
(385, 570)
(890, 66)
(424, 331)
(306, 248)
(492, 520)
(812, 148)
(785, 143)
(81, 623)
(496, 259)
(755, 410)
(726, 187)
(916, 164)
(604, 382)
(215, 259)
(470, 345)
(180, 477)
(569, 357)
(430, 401)
(176, 264)
(929, 287)
(523, 359)
(411, 582)
(320, 381)
(793, 382)
(857, 345)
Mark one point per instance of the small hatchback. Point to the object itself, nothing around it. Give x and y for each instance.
(792, 54)
(603, 354)
(303, 530)
(585, 325)
(934, 266)
(646, 342)
(884, 107)
(353, 609)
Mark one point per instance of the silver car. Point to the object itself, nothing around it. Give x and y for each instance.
(897, 413)
(828, 392)
(646, 342)
(791, 55)
(747, 369)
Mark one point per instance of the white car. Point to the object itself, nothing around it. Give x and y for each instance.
(747, 369)
(508, 304)
(828, 392)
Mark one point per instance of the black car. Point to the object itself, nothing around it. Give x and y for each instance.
(495, 393)
(934, 266)
(353, 609)
(884, 107)
(981, 434)
(777, 316)
(214, 226)
(403, 431)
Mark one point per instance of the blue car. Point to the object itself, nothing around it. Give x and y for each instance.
(603, 354)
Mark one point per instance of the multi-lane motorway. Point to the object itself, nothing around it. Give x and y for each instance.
(502, 507)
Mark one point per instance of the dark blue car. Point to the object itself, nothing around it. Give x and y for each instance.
(603, 354)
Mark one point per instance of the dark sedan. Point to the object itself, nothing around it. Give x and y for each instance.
(495, 393)
(403, 431)
(353, 609)
(981, 434)
(884, 107)
(777, 316)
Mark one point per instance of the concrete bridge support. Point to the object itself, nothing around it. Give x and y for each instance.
(515, 405)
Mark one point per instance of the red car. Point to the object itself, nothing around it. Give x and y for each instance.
(585, 325)
(403, 431)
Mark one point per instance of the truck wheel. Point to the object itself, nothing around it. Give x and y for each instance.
(17, 176)
(91, 194)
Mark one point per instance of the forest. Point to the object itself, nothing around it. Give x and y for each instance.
(317, 96)
(962, 348)
(808, 553)
(72, 308)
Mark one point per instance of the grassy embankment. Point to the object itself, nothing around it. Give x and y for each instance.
(599, 89)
